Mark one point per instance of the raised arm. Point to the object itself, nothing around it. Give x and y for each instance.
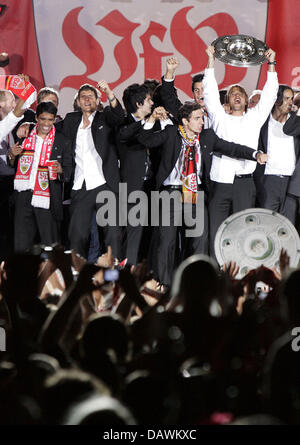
(210, 87)
(167, 92)
(269, 92)
(114, 114)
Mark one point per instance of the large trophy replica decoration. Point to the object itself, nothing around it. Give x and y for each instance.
(254, 237)
(240, 50)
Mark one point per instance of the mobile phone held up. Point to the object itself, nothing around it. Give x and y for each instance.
(111, 275)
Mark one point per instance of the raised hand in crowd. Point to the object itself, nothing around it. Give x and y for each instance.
(104, 88)
(61, 322)
(284, 264)
(107, 259)
(271, 56)
(19, 110)
(171, 65)
(231, 269)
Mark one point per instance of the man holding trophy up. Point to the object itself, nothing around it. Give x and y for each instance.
(232, 184)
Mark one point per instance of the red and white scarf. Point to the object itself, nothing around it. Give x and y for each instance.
(41, 192)
(190, 159)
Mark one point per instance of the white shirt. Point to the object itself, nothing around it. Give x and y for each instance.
(87, 160)
(239, 129)
(281, 150)
(206, 122)
(136, 119)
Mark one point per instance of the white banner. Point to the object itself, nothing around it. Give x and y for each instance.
(125, 41)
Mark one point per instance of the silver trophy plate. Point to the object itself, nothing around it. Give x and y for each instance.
(240, 50)
(255, 237)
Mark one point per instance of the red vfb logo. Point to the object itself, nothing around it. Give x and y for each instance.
(184, 38)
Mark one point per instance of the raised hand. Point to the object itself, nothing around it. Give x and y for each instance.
(103, 86)
(107, 259)
(24, 77)
(231, 268)
(210, 51)
(171, 66)
(270, 55)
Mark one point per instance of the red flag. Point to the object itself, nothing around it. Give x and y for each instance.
(283, 36)
(18, 39)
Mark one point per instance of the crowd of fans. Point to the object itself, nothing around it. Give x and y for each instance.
(81, 349)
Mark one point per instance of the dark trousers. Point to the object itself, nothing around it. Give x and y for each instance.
(6, 215)
(132, 240)
(138, 238)
(273, 193)
(168, 239)
(291, 209)
(94, 246)
(83, 206)
(33, 224)
(226, 199)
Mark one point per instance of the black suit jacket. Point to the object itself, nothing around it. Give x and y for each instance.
(169, 97)
(209, 142)
(290, 128)
(133, 155)
(103, 137)
(61, 151)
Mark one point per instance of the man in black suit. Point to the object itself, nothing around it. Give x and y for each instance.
(95, 164)
(273, 180)
(38, 206)
(186, 146)
(135, 163)
(292, 128)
